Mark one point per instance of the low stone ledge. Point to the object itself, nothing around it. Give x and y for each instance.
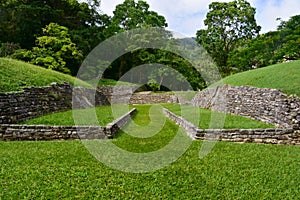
(268, 136)
(116, 125)
(190, 128)
(278, 136)
(16, 132)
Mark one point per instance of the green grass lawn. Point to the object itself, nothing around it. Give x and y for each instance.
(203, 122)
(66, 170)
(15, 75)
(104, 115)
(285, 76)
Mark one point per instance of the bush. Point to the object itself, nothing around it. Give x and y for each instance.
(54, 50)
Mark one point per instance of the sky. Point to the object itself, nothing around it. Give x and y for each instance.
(187, 16)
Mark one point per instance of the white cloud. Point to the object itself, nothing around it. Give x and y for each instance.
(187, 16)
(108, 6)
(272, 9)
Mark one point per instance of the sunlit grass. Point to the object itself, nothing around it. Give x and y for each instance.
(204, 118)
(91, 116)
(285, 76)
(67, 170)
(15, 75)
(106, 114)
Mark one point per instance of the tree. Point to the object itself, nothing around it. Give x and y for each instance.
(136, 57)
(269, 48)
(22, 20)
(291, 38)
(131, 15)
(258, 52)
(127, 16)
(6, 49)
(55, 50)
(228, 24)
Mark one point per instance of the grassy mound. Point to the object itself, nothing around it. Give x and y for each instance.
(15, 75)
(285, 76)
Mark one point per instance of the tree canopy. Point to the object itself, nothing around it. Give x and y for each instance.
(59, 34)
(131, 14)
(55, 50)
(228, 24)
(269, 48)
(22, 20)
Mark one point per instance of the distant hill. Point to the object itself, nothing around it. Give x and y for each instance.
(285, 76)
(15, 75)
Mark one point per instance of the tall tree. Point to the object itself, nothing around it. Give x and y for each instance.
(291, 38)
(131, 14)
(22, 20)
(227, 25)
(127, 16)
(269, 48)
(256, 53)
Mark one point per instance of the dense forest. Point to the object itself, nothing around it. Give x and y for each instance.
(59, 34)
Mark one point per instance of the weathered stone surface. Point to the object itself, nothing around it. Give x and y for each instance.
(267, 105)
(14, 132)
(286, 136)
(138, 98)
(118, 94)
(33, 102)
(116, 125)
(129, 95)
(190, 129)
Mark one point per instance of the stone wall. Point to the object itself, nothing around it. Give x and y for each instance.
(267, 105)
(118, 94)
(189, 128)
(144, 98)
(267, 136)
(129, 95)
(13, 132)
(16, 107)
(114, 127)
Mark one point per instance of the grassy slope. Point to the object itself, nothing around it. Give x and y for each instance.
(285, 76)
(14, 75)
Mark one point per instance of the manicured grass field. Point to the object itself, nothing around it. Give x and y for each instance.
(231, 121)
(86, 117)
(66, 170)
(15, 75)
(285, 76)
(104, 115)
